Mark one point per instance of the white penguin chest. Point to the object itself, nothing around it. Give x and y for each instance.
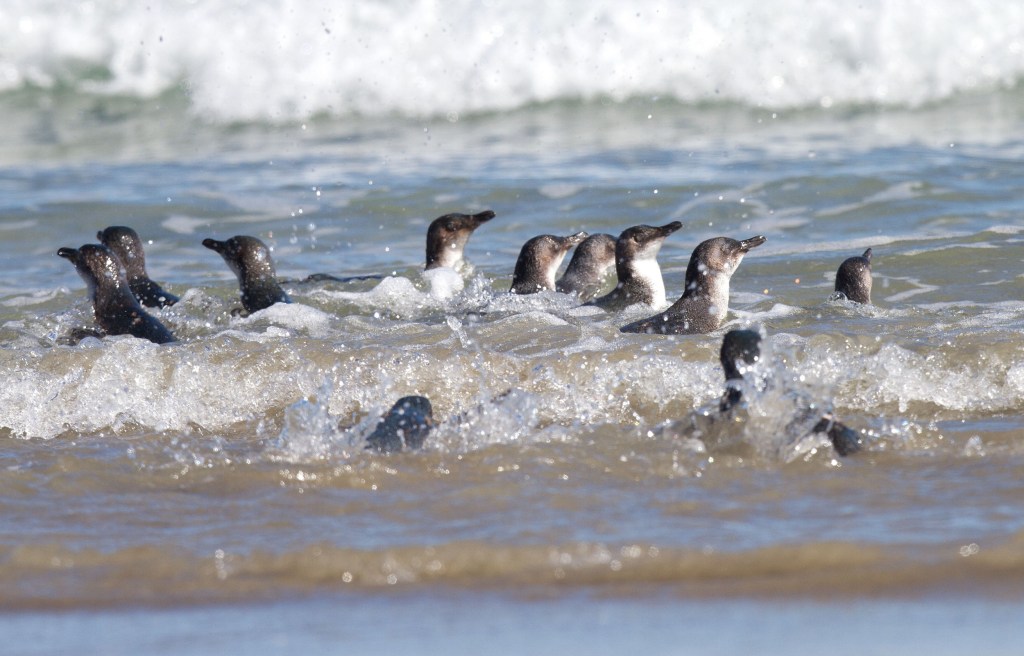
(649, 273)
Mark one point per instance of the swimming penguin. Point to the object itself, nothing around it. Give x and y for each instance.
(539, 260)
(116, 309)
(853, 279)
(589, 266)
(740, 350)
(250, 259)
(406, 425)
(124, 242)
(636, 264)
(447, 237)
(705, 301)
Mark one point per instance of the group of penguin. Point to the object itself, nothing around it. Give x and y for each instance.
(115, 273)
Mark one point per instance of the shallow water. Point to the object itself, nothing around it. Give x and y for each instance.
(229, 468)
(482, 624)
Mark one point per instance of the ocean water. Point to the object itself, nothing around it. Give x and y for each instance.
(219, 486)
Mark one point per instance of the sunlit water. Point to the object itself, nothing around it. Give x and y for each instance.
(230, 467)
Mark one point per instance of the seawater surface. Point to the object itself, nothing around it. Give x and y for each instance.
(146, 486)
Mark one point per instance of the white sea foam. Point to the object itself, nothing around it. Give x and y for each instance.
(919, 288)
(393, 292)
(292, 316)
(286, 60)
(35, 298)
(444, 282)
(777, 311)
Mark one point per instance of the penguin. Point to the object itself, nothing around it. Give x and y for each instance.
(705, 301)
(250, 259)
(447, 237)
(588, 268)
(124, 242)
(853, 279)
(116, 309)
(405, 426)
(740, 350)
(636, 265)
(539, 260)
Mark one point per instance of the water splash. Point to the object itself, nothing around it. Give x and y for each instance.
(267, 60)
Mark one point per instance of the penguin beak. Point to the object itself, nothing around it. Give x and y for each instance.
(68, 254)
(572, 240)
(867, 255)
(667, 230)
(214, 245)
(482, 217)
(753, 242)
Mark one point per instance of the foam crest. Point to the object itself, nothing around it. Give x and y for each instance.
(292, 316)
(281, 60)
(398, 295)
(122, 384)
(586, 373)
(511, 417)
(444, 282)
(309, 433)
(775, 420)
